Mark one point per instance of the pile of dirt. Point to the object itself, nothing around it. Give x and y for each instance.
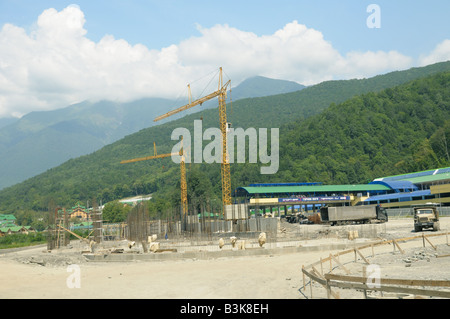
(52, 260)
(417, 263)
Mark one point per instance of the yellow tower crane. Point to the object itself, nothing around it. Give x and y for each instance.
(183, 184)
(221, 93)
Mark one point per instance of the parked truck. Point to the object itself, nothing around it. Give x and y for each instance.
(298, 218)
(426, 217)
(342, 215)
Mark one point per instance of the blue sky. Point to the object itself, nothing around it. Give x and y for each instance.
(190, 37)
(408, 26)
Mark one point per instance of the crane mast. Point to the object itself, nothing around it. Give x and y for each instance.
(221, 93)
(225, 166)
(183, 183)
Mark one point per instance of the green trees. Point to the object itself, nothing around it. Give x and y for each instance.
(440, 142)
(200, 190)
(29, 217)
(22, 240)
(115, 212)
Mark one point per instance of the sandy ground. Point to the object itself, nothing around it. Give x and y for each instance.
(276, 276)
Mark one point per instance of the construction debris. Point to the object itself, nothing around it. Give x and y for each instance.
(221, 243)
(262, 239)
(233, 240)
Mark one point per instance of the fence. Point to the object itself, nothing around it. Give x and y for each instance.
(194, 228)
(365, 283)
(208, 228)
(407, 212)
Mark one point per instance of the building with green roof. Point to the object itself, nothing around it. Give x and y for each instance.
(15, 229)
(303, 196)
(7, 219)
(391, 191)
(285, 190)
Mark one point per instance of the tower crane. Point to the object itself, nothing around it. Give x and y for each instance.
(221, 93)
(183, 184)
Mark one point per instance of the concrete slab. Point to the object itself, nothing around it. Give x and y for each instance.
(126, 257)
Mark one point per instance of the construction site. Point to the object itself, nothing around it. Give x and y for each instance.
(271, 241)
(312, 261)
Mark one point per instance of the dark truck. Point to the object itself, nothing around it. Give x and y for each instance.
(296, 218)
(342, 215)
(426, 217)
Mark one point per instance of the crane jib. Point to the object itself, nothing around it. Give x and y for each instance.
(194, 103)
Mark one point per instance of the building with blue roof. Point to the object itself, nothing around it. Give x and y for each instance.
(391, 192)
(398, 186)
(430, 186)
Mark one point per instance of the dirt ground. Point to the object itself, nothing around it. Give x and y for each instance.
(37, 274)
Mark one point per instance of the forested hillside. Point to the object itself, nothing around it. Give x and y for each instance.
(41, 140)
(396, 130)
(399, 130)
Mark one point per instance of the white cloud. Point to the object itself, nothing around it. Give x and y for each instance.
(56, 64)
(294, 52)
(365, 64)
(439, 54)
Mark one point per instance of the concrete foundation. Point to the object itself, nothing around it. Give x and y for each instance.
(268, 250)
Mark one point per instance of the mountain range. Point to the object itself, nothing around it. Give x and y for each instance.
(346, 131)
(41, 140)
